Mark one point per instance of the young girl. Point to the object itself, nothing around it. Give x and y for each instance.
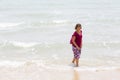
(76, 42)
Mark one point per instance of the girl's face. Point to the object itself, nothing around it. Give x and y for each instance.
(78, 28)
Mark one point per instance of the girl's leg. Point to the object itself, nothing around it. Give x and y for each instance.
(73, 60)
(77, 62)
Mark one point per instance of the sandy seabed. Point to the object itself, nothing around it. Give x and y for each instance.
(33, 72)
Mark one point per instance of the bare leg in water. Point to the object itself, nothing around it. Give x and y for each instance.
(73, 60)
(77, 61)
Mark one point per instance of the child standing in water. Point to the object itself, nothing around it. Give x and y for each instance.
(76, 42)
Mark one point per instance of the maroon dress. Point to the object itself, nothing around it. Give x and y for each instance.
(78, 41)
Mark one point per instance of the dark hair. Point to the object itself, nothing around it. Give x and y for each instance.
(78, 25)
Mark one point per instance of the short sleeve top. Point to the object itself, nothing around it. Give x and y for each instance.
(78, 39)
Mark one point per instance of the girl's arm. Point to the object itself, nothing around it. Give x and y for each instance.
(81, 45)
(73, 40)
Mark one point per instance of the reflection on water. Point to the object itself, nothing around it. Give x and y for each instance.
(76, 75)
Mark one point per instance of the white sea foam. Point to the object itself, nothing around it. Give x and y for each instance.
(18, 43)
(60, 21)
(101, 68)
(26, 44)
(31, 44)
(9, 26)
(54, 22)
(23, 44)
(8, 63)
(42, 64)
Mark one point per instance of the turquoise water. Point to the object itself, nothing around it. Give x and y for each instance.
(40, 31)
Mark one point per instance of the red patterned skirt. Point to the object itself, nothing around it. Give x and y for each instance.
(76, 52)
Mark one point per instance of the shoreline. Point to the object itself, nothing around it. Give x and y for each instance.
(33, 72)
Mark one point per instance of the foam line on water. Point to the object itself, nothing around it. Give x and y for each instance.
(44, 65)
(8, 63)
(8, 25)
(18, 43)
(26, 44)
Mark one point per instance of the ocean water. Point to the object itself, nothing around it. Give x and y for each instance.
(37, 33)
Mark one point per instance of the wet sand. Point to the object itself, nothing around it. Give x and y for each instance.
(33, 72)
(97, 75)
